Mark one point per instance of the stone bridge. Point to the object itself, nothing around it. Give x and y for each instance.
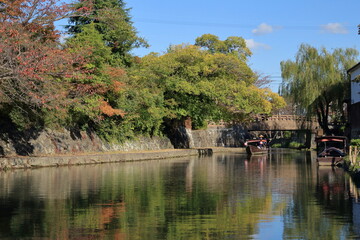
(276, 125)
(283, 123)
(271, 126)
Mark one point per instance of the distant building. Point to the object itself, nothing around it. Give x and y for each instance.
(355, 101)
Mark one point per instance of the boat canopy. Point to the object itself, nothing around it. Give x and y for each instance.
(331, 139)
(256, 140)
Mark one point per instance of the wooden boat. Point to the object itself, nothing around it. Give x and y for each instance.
(256, 146)
(331, 150)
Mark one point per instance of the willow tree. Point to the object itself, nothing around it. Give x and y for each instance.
(317, 82)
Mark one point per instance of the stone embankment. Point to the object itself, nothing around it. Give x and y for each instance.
(51, 148)
(106, 157)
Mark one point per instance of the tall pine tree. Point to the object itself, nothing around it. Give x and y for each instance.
(112, 20)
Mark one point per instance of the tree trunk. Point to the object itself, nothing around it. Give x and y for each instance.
(322, 112)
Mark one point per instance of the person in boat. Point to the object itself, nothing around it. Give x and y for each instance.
(262, 142)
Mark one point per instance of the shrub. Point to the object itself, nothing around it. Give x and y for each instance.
(294, 145)
(287, 134)
(355, 142)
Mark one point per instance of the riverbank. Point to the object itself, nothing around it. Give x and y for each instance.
(19, 162)
(352, 162)
(63, 141)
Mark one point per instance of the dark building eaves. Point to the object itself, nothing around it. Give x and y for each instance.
(353, 68)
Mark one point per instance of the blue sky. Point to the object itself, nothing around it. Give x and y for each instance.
(273, 29)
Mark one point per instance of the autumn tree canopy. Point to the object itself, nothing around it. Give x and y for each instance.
(91, 80)
(45, 82)
(32, 63)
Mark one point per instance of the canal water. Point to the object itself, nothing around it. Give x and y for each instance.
(225, 196)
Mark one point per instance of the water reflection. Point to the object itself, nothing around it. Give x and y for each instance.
(282, 195)
(354, 187)
(332, 188)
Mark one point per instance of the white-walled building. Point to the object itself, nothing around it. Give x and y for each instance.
(355, 101)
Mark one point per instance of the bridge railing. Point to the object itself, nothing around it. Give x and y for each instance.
(284, 118)
(273, 118)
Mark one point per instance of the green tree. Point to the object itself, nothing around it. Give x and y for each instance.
(232, 45)
(98, 95)
(317, 82)
(204, 85)
(112, 20)
(105, 99)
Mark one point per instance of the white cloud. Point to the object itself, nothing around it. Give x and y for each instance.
(250, 43)
(334, 28)
(263, 29)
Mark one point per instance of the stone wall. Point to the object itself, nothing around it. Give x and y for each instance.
(97, 158)
(218, 137)
(49, 142)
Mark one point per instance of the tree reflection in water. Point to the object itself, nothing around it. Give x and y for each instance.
(223, 196)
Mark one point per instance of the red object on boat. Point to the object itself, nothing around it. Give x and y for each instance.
(256, 146)
(331, 150)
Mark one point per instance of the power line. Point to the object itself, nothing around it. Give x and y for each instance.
(212, 24)
(202, 24)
